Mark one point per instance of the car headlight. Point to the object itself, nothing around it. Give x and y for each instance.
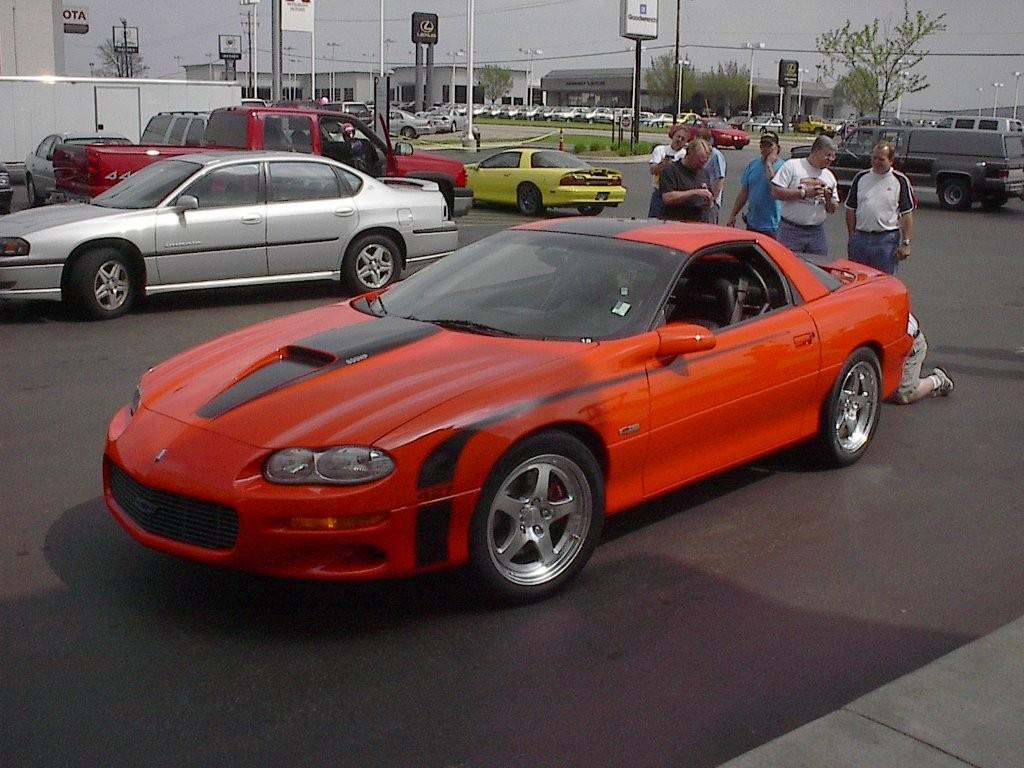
(343, 465)
(14, 246)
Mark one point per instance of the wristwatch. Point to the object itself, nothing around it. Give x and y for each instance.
(905, 241)
(803, 191)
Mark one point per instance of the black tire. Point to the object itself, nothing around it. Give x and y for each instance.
(372, 261)
(101, 285)
(529, 200)
(590, 210)
(526, 542)
(955, 194)
(409, 132)
(994, 202)
(448, 190)
(850, 415)
(31, 193)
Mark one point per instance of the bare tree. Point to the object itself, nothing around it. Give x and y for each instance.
(885, 54)
(115, 64)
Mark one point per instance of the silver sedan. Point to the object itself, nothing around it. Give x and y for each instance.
(212, 220)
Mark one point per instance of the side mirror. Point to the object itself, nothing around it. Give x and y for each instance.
(683, 338)
(187, 203)
(403, 148)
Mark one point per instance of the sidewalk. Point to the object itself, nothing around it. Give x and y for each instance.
(965, 709)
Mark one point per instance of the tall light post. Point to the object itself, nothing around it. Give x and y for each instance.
(980, 90)
(679, 94)
(252, 42)
(1016, 94)
(209, 57)
(995, 101)
(176, 58)
(469, 140)
(454, 55)
(899, 99)
(334, 58)
(383, 64)
(800, 89)
(750, 88)
(531, 52)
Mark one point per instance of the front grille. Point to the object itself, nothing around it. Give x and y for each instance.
(175, 517)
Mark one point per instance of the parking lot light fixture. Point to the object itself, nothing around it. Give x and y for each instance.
(995, 100)
(683, 65)
(454, 55)
(1016, 94)
(750, 87)
(980, 91)
(531, 52)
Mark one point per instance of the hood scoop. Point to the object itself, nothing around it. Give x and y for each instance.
(316, 355)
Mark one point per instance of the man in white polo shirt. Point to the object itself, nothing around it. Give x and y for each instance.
(807, 190)
(879, 213)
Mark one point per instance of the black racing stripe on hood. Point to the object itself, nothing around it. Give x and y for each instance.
(439, 466)
(318, 354)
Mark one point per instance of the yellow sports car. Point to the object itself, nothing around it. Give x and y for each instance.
(535, 179)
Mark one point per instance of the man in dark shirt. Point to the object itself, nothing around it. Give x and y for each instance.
(686, 188)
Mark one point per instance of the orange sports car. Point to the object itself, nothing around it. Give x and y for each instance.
(494, 408)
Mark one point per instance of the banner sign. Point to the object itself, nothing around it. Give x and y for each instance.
(789, 73)
(126, 39)
(297, 15)
(638, 19)
(230, 47)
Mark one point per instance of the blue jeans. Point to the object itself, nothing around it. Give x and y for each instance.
(803, 239)
(875, 249)
(657, 209)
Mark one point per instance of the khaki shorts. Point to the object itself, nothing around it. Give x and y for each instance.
(912, 366)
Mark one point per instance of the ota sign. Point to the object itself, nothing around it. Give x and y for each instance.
(638, 19)
(76, 20)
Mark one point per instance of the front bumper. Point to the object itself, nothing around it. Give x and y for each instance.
(205, 499)
(29, 281)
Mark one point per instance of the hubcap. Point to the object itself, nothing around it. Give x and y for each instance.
(539, 520)
(375, 266)
(857, 407)
(111, 285)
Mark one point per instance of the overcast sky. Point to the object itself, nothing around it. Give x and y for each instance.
(584, 33)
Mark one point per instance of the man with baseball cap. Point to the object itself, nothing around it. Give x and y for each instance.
(763, 210)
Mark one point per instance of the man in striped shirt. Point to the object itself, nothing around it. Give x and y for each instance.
(879, 213)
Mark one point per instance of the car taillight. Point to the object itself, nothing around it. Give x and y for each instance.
(997, 173)
(571, 179)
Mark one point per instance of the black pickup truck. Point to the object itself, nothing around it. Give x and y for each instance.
(962, 166)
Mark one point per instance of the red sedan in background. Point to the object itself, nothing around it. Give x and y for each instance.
(722, 134)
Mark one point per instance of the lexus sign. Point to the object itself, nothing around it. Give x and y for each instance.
(424, 28)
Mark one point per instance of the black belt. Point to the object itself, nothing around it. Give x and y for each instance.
(801, 226)
(879, 232)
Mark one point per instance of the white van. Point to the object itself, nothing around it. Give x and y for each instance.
(1004, 124)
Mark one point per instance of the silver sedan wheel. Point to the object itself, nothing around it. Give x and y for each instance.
(375, 266)
(856, 407)
(539, 519)
(111, 285)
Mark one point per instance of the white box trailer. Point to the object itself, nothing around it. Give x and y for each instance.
(35, 107)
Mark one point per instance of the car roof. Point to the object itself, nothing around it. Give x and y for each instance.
(214, 158)
(670, 234)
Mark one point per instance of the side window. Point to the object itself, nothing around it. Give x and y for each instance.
(503, 160)
(178, 126)
(235, 185)
(194, 136)
(988, 125)
(274, 135)
(964, 123)
(156, 129)
(301, 133)
(350, 183)
(46, 147)
(289, 182)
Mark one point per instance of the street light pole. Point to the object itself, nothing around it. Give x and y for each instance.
(334, 66)
(252, 42)
(454, 54)
(800, 90)
(469, 141)
(995, 102)
(979, 100)
(681, 71)
(209, 57)
(531, 52)
(750, 88)
(1016, 94)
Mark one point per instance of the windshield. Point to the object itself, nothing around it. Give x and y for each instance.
(149, 186)
(540, 285)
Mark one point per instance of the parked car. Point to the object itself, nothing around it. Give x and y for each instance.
(89, 170)
(39, 177)
(181, 129)
(535, 179)
(660, 120)
(1005, 124)
(223, 219)
(444, 120)
(402, 123)
(358, 108)
(530, 112)
(815, 125)
(763, 124)
(6, 190)
(508, 370)
(961, 165)
(600, 115)
(721, 134)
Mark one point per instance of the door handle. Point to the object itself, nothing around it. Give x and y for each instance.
(345, 211)
(252, 218)
(803, 339)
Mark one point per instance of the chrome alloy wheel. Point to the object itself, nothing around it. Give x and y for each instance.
(856, 407)
(111, 285)
(539, 519)
(375, 265)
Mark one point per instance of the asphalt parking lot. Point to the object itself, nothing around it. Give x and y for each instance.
(707, 623)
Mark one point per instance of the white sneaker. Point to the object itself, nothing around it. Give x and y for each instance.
(946, 385)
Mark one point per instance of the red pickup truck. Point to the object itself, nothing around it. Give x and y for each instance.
(88, 170)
